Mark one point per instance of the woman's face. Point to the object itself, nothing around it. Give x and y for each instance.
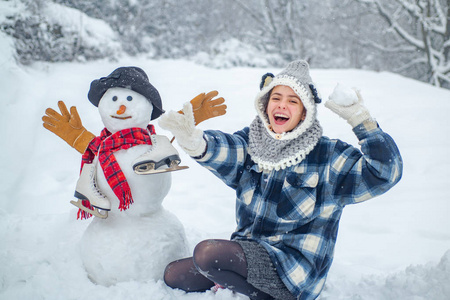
(285, 109)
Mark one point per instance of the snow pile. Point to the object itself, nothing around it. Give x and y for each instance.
(392, 247)
(419, 282)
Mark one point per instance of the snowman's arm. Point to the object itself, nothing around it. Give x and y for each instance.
(68, 126)
(205, 107)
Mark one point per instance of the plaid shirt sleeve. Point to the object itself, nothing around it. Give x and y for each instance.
(354, 176)
(225, 155)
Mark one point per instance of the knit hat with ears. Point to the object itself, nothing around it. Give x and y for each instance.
(279, 151)
(296, 76)
(132, 78)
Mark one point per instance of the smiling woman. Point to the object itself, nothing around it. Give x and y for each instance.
(291, 186)
(285, 109)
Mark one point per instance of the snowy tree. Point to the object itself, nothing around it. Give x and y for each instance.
(311, 30)
(281, 26)
(45, 31)
(160, 28)
(410, 37)
(422, 29)
(136, 21)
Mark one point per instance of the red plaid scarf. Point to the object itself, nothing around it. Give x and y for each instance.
(105, 145)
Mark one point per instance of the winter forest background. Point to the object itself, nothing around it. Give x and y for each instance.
(408, 37)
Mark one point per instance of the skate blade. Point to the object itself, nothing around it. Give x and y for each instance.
(150, 172)
(94, 212)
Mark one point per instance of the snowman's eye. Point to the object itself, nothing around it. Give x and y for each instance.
(129, 98)
(114, 98)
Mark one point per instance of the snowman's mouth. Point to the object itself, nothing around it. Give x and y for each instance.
(121, 118)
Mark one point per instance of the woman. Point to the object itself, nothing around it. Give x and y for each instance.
(291, 186)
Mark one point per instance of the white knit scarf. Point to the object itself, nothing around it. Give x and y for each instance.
(270, 153)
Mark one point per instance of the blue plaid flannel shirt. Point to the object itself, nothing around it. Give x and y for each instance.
(294, 213)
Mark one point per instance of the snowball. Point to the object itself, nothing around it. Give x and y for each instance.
(343, 95)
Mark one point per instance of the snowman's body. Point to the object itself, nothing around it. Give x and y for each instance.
(137, 243)
(148, 190)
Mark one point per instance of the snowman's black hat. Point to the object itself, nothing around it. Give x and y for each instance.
(132, 78)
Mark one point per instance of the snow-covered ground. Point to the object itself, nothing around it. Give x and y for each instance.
(396, 246)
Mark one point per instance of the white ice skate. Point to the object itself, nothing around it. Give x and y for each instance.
(86, 189)
(161, 158)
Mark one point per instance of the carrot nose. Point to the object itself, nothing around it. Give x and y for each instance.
(121, 110)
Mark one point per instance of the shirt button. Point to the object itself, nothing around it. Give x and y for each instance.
(278, 136)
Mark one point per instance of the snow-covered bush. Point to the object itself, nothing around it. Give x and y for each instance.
(52, 32)
(232, 53)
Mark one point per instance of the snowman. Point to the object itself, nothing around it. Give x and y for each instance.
(127, 102)
(125, 177)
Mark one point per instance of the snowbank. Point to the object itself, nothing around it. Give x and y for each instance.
(392, 247)
(429, 281)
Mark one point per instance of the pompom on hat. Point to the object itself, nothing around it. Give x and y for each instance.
(296, 76)
(132, 78)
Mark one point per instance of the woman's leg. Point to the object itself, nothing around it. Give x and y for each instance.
(182, 274)
(224, 262)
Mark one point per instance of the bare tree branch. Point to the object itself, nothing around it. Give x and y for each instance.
(251, 12)
(432, 38)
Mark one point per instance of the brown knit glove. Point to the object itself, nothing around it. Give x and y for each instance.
(205, 107)
(68, 127)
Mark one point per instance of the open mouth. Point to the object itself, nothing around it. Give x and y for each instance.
(121, 118)
(280, 118)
